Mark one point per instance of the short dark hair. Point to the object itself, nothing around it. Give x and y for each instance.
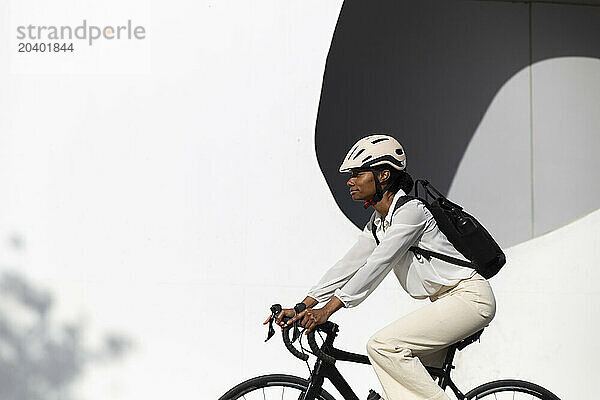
(398, 179)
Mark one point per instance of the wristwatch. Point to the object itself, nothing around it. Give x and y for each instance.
(299, 308)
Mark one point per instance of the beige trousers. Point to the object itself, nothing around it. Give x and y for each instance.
(399, 351)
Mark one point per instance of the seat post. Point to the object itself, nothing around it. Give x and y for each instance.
(447, 367)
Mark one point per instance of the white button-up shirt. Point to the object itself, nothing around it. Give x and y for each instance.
(366, 264)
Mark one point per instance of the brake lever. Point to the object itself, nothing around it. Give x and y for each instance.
(271, 330)
(275, 310)
(295, 332)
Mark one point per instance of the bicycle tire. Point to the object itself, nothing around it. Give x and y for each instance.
(529, 390)
(258, 385)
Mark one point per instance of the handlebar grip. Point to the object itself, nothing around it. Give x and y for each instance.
(317, 351)
(289, 345)
(275, 310)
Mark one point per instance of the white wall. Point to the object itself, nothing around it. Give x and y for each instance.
(158, 203)
(168, 190)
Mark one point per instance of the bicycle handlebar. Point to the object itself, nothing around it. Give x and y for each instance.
(290, 346)
(288, 342)
(275, 310)
(315, 347)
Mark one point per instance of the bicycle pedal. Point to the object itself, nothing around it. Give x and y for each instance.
(373, 395)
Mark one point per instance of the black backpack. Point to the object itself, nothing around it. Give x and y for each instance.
(467, 235)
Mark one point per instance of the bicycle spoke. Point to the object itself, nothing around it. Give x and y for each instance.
(274, 393)
(273, 387)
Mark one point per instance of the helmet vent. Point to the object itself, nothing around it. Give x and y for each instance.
(366, 158)
(399, 152)
(352, 152)
(379, 140)
(358, 154)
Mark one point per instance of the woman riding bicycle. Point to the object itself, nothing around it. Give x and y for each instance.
(462, 301)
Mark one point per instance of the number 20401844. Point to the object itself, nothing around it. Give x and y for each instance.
(45, 47)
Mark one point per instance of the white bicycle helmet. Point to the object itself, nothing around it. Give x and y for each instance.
(373, 151)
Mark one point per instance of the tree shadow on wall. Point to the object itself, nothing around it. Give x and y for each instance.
(39, 357)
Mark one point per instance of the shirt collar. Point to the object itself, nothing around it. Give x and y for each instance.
(388, 217)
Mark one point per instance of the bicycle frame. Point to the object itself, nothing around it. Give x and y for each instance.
(324, 370)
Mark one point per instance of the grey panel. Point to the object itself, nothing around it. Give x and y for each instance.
(566, 121)
(493, 180)
(574, 2)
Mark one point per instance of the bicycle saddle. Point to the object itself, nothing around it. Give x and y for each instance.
(468, 340)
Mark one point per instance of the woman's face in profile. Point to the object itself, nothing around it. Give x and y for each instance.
(362, 185)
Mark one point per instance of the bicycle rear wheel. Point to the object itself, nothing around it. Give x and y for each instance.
(272, 387)
(510, 389)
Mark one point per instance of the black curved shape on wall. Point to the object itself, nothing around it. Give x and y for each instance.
(425, 71)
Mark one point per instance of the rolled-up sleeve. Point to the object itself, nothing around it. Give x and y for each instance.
(345, 268)
(408, 224)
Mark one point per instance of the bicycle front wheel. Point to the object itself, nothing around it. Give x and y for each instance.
(510, 389)
(272, 387)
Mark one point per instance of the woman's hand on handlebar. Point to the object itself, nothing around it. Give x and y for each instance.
(310, 318)
(286, 312)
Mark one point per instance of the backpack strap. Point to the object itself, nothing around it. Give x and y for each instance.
(373, 229)
(417, 250)
(401, 201)
(428, 254)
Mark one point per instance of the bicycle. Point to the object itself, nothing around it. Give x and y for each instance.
(274, 386)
